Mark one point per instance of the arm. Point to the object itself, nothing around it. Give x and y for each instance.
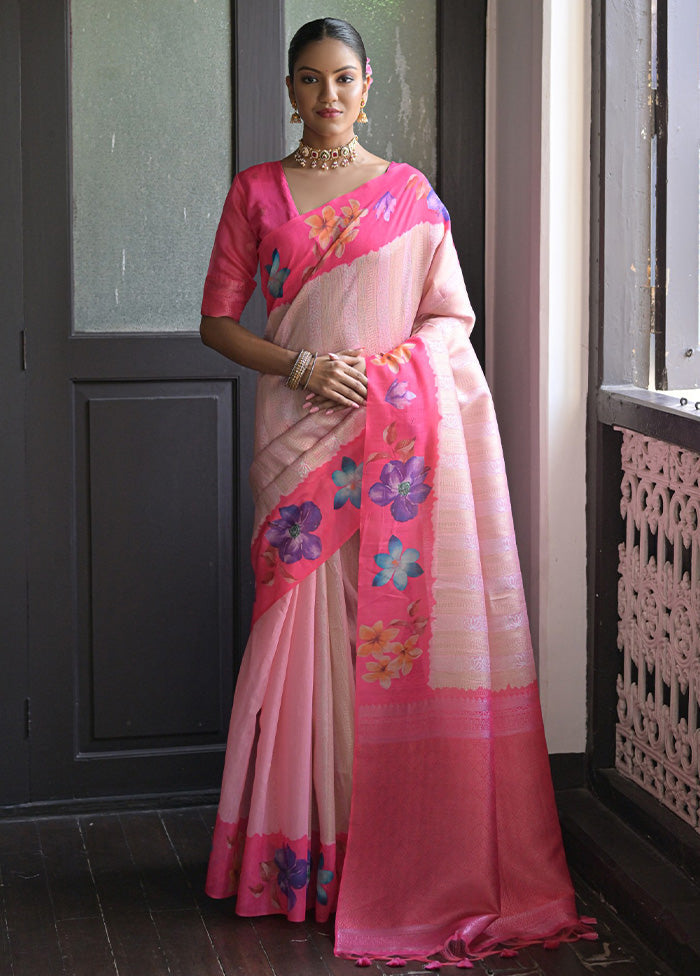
(338, 379)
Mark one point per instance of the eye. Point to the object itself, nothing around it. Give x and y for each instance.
(308, 79)
(346, 79)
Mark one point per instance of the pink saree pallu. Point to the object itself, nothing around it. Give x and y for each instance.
(386, 757)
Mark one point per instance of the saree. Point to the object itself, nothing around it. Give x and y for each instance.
(386, 758)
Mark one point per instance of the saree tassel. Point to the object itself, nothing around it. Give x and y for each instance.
(464, 964)
(363, 961)
(433, 965)
(508, 953)
(589, 936)
(396, 961)
(588, 920)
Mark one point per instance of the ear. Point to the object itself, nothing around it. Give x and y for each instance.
(365, 87)
(290, 89)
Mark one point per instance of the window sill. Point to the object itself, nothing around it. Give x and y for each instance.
(657, 415)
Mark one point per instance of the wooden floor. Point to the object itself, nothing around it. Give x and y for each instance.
(122, 895)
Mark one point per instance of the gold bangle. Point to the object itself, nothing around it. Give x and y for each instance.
(300, 366)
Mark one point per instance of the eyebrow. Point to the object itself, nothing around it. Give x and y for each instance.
(347, 67)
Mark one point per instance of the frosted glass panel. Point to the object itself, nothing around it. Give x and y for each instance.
(152, 135)
(400, 37)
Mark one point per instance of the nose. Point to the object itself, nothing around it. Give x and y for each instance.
(328, 91)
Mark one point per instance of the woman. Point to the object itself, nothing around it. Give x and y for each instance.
(399, 778)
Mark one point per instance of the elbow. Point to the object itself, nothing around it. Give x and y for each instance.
(205, 331)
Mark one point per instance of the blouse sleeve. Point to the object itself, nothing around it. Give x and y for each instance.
(234, 260)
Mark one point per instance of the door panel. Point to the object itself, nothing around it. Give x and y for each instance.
(139, 444)
(154, 493)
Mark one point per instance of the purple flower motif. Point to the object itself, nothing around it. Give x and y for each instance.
(349, 481)
(398, 395)
(397, 565)
(384, 207)
(293, 873)
(278, 275)
(435, 203)
(401, 486)
(291, 534)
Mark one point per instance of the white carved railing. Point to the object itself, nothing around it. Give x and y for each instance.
(658, 741)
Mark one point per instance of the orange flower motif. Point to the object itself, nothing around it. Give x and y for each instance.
(407, 654)
(420, 183)
(323, 226)
(394, 359)
(348, 235)
(353, 212)
(383, 670)
(377, 640)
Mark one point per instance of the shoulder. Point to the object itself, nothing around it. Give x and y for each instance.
(413, 180)
(257, 179)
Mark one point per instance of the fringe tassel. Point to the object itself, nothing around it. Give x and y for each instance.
(433, 965)
(508, 953)
(396, 961)
(464, 964)
(363, 961)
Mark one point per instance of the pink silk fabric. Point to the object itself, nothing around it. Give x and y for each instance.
(386, 756)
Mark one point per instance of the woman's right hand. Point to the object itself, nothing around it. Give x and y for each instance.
(338, 381)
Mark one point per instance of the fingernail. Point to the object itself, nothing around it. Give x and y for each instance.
(314, 410)
(309, 396)
(305, 406)
(356, 406)
(330, 410)
(332, 355)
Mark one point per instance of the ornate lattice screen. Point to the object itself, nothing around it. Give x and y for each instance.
(659, 623)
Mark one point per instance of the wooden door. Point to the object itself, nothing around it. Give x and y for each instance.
(139, 440)
(126, 516)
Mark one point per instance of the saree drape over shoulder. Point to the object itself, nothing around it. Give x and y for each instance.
(386, 756)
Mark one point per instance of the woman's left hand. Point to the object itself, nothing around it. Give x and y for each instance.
(315, 403)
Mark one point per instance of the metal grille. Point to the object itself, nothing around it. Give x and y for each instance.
(657, 740)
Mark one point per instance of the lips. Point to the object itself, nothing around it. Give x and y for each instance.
(329, 113)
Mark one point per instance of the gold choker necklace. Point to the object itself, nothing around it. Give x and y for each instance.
(323, 158)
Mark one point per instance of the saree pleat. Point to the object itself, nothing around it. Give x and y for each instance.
(386, 752)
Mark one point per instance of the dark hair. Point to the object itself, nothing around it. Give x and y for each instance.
(317, 30)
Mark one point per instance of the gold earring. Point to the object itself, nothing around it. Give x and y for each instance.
(362, 117)
(295, 117)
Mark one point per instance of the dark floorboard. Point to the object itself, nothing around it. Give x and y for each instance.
(122, 895)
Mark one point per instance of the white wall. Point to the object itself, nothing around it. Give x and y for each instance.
(537, 215)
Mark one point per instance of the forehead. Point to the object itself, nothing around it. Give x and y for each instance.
(328, 54)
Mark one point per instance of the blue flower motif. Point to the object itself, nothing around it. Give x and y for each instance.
(293, 873)
(398, 394)
(349, 481)
(384, 207)
(397, 565)
(323, 878)
(291, 534)
(278, 275)
(401, 485)
(435, 203)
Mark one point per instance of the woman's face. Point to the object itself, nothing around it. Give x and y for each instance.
(328, 88)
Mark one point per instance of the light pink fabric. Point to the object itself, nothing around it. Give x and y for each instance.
(435, 831)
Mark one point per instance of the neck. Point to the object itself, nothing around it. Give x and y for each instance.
(315, 141)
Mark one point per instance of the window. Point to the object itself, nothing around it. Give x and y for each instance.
(675, 79)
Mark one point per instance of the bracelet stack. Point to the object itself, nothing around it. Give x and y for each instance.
(301, 364)
(308, 378)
